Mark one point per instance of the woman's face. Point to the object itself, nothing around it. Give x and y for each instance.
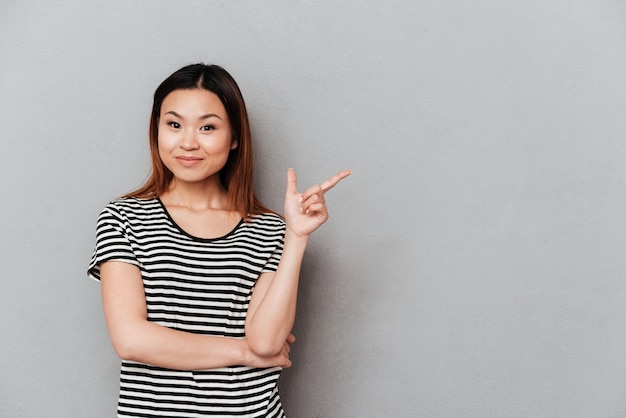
(194, 136)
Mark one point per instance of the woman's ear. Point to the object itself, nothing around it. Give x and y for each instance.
(234, 144)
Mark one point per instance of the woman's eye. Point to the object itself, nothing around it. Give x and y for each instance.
(174, 125)
(207, 128)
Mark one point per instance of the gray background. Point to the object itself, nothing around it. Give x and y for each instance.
(474, 263)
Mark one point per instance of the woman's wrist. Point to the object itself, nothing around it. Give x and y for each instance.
(295, 238)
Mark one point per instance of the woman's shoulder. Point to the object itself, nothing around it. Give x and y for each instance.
(132, 205)
(269, 217)
(267, 221)
(131, 212)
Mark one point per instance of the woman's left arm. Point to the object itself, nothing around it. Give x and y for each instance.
(272, 308)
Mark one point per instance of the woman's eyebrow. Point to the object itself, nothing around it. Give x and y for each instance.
(207, 116)
(210, 115)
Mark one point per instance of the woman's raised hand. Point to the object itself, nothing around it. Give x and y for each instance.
(305, 212)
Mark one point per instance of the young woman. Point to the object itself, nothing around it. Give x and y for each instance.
(199, 279)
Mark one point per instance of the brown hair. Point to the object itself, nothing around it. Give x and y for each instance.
(237, 175)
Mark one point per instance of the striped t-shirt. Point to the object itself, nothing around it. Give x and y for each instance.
(196, 285)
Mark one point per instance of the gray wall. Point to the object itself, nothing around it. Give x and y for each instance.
(474, 263)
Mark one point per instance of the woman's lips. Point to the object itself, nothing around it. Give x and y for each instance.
(189, 161)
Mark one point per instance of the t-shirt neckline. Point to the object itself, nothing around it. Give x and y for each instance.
(182, 231)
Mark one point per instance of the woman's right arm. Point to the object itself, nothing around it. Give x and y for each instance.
(135, 338)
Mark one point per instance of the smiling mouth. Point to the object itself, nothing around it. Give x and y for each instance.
(188, 161)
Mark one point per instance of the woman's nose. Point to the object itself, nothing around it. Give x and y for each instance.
(189, 141)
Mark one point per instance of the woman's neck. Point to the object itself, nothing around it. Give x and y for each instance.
(196, 196)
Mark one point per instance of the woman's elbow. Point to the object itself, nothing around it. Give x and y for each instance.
(126, 347)
(265, 347)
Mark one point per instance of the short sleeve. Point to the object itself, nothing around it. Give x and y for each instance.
(112, 242)
(272, 263)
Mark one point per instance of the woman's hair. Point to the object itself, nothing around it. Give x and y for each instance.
(236, 176)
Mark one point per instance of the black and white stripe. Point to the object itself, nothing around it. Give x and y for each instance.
(195, 285)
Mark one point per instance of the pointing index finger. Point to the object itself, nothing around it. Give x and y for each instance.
(332, 182)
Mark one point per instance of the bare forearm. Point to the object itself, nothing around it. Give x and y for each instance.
(272, 321)
(153, 344)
